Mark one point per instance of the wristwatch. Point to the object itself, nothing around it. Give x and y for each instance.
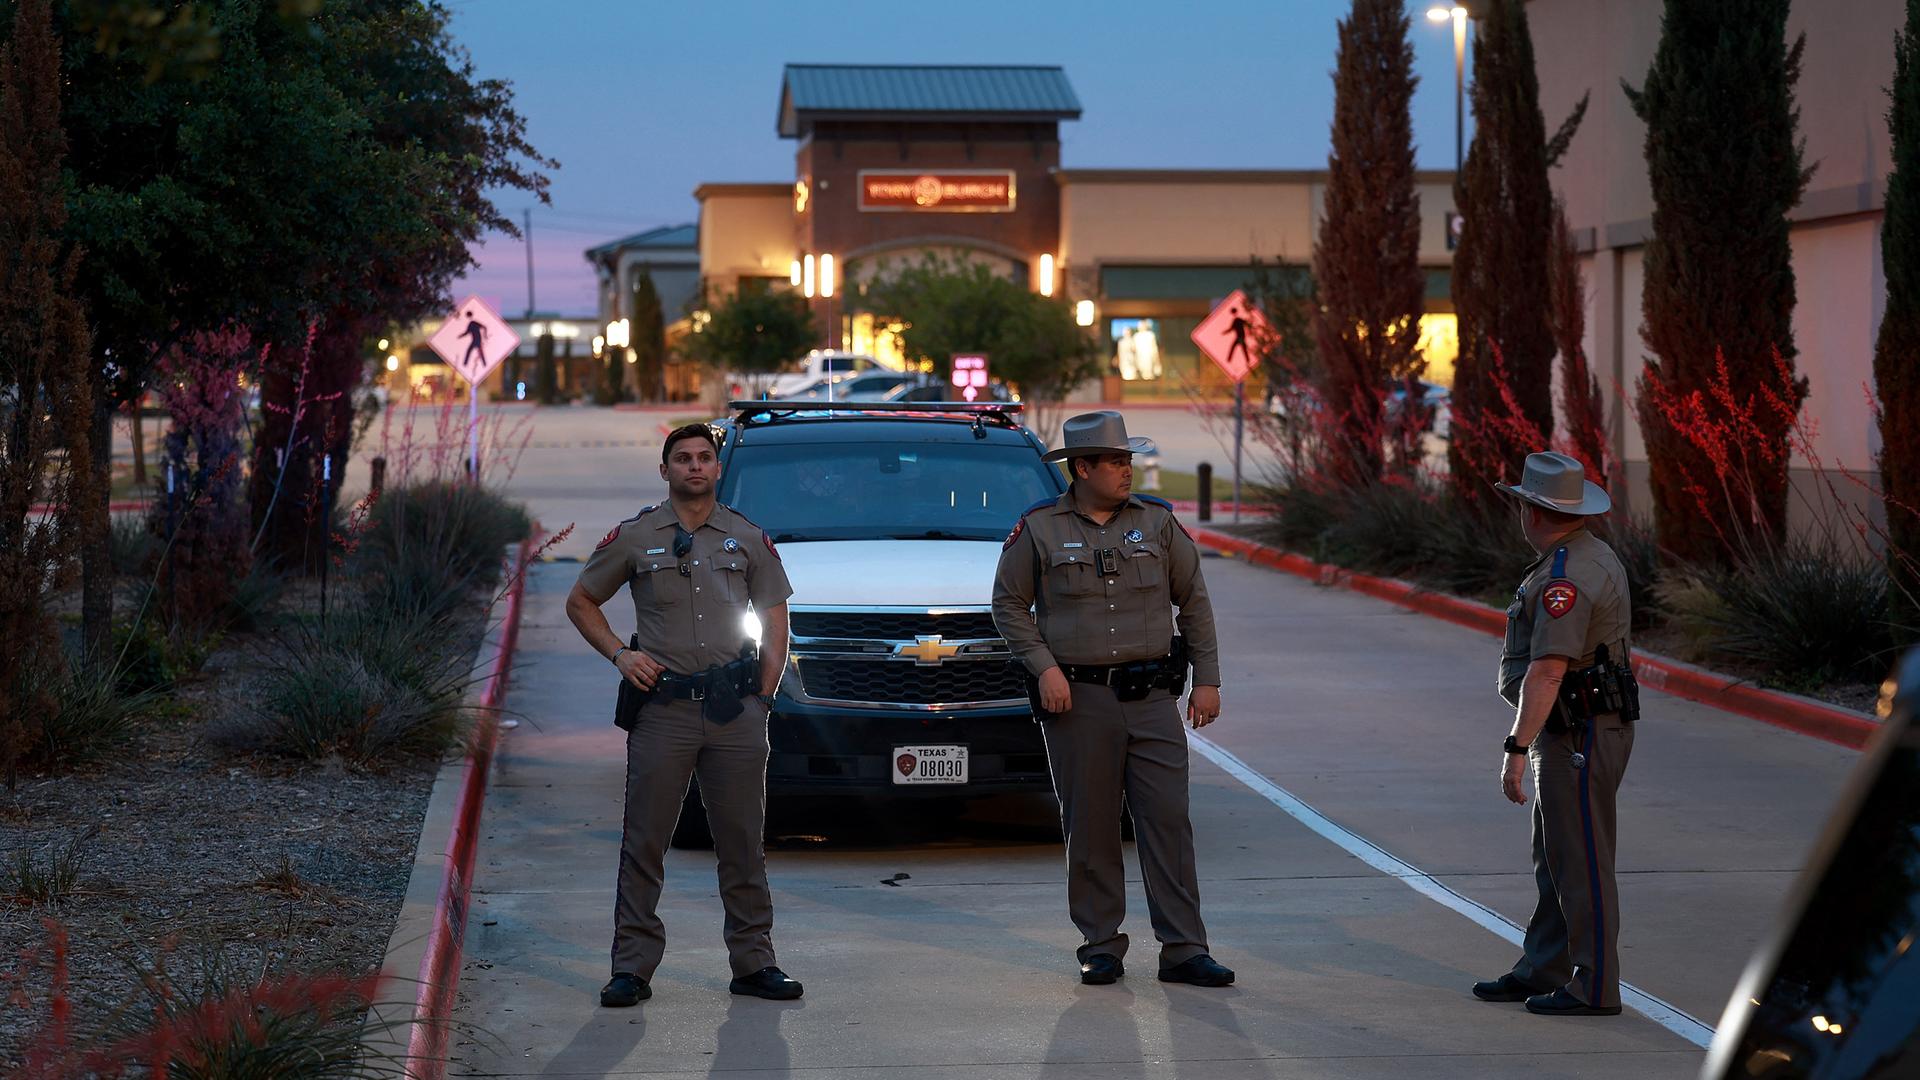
(615, 658)
(1512, 747)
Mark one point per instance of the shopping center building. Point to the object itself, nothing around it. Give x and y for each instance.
(895, 163)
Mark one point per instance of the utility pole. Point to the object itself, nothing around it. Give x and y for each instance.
(528, 237)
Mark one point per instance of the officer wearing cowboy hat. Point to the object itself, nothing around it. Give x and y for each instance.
(1563, 667)
(1084, 596)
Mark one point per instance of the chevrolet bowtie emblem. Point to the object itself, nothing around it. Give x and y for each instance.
(926, 649)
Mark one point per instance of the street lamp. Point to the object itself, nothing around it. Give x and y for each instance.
(1046, 274)
(1459, 16)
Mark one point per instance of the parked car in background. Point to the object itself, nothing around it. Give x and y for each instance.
(879, 384)
(934, 388)
(801, 375)
(1436, 399)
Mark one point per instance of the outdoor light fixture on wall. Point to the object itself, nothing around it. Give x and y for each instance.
(1046, 274)
(806, 275)
(1083, 313)
(793, 274)
(826, 275)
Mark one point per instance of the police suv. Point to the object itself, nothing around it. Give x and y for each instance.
(889, 518)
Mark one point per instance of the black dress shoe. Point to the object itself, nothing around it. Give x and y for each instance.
(1202, 970)
(769, 982)
(1505, 988)
(1101, 969)
(1561, 1003)
(624, 990)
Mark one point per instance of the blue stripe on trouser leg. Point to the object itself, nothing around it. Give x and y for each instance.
(1597, 981)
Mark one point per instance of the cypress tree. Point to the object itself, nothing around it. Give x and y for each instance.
(1724, 161)
(1503, 383)
(1896, 356)
(1367, 258)
(649, 337)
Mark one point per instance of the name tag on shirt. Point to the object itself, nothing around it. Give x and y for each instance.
(1075, 544)
(656, 551)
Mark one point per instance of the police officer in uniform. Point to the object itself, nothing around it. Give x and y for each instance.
(694, 566)
(1083, 596)
(1565, 667)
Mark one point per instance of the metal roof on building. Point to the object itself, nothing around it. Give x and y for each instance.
(859, 91)
(677, 237)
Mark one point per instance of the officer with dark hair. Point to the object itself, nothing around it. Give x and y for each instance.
(1566, 670)
(1084, 596)
(697, 569)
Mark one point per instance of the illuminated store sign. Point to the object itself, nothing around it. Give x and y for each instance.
(981, 191)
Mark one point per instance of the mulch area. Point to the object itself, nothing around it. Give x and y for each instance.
(186, 852)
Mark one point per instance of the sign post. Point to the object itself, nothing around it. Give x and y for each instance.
(1228, 335)
(473, 341)
(970, 374)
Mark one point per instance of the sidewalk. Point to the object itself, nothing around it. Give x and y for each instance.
(965, 968)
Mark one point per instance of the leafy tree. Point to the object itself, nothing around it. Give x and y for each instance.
(46, 404)
(1896, 357)
(1500, 277)
(952, 307)
(1367, 260)
(649, 336)
(755, 332)
(1724, 160)
(611, 387)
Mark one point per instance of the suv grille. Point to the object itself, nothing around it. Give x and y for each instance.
(892, 625)
(911, 684)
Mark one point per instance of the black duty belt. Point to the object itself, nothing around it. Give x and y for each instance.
(1136, 679)
(695, 687)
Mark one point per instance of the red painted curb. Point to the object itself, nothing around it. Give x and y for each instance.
(122, 507)
(440, 964)
(1790, 711)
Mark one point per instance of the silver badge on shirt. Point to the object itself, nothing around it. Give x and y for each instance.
(1134, 536)
(731, 545)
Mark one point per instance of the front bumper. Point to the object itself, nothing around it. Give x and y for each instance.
(825, 750)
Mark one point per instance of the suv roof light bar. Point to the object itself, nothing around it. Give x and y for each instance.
(967, 407)
(767, 412)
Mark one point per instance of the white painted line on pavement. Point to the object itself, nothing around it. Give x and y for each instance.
(1660, 1012)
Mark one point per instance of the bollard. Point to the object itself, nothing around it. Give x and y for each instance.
(379, 476)
(1205, 498)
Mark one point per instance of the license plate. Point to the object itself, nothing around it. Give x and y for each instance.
(929, 764)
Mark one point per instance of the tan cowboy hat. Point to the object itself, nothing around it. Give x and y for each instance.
(1103, 432)
(1559, 482)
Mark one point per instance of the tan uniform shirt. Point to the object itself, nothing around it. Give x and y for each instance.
(690, 612)
(1573, 600)
(1054, 606)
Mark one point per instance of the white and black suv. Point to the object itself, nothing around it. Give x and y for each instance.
(889, 519)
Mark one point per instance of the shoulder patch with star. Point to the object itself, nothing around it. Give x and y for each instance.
(1021, 525)
(1559, 597)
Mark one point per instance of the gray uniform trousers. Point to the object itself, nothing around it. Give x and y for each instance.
(1103, 747)
(671, 744)
(1572, 939)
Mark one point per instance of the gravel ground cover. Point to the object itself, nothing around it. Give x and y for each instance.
(183, 852)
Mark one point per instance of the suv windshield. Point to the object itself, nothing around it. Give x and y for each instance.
(885, 490)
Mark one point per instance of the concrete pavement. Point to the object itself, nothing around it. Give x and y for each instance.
(1383, 720)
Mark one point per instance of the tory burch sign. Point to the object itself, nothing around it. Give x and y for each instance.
(967, 191)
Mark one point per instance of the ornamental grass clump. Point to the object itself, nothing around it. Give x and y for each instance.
(1805, 616)
(449, 530)
(368, 686)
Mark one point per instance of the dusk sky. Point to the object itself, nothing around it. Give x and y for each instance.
(642, 102)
